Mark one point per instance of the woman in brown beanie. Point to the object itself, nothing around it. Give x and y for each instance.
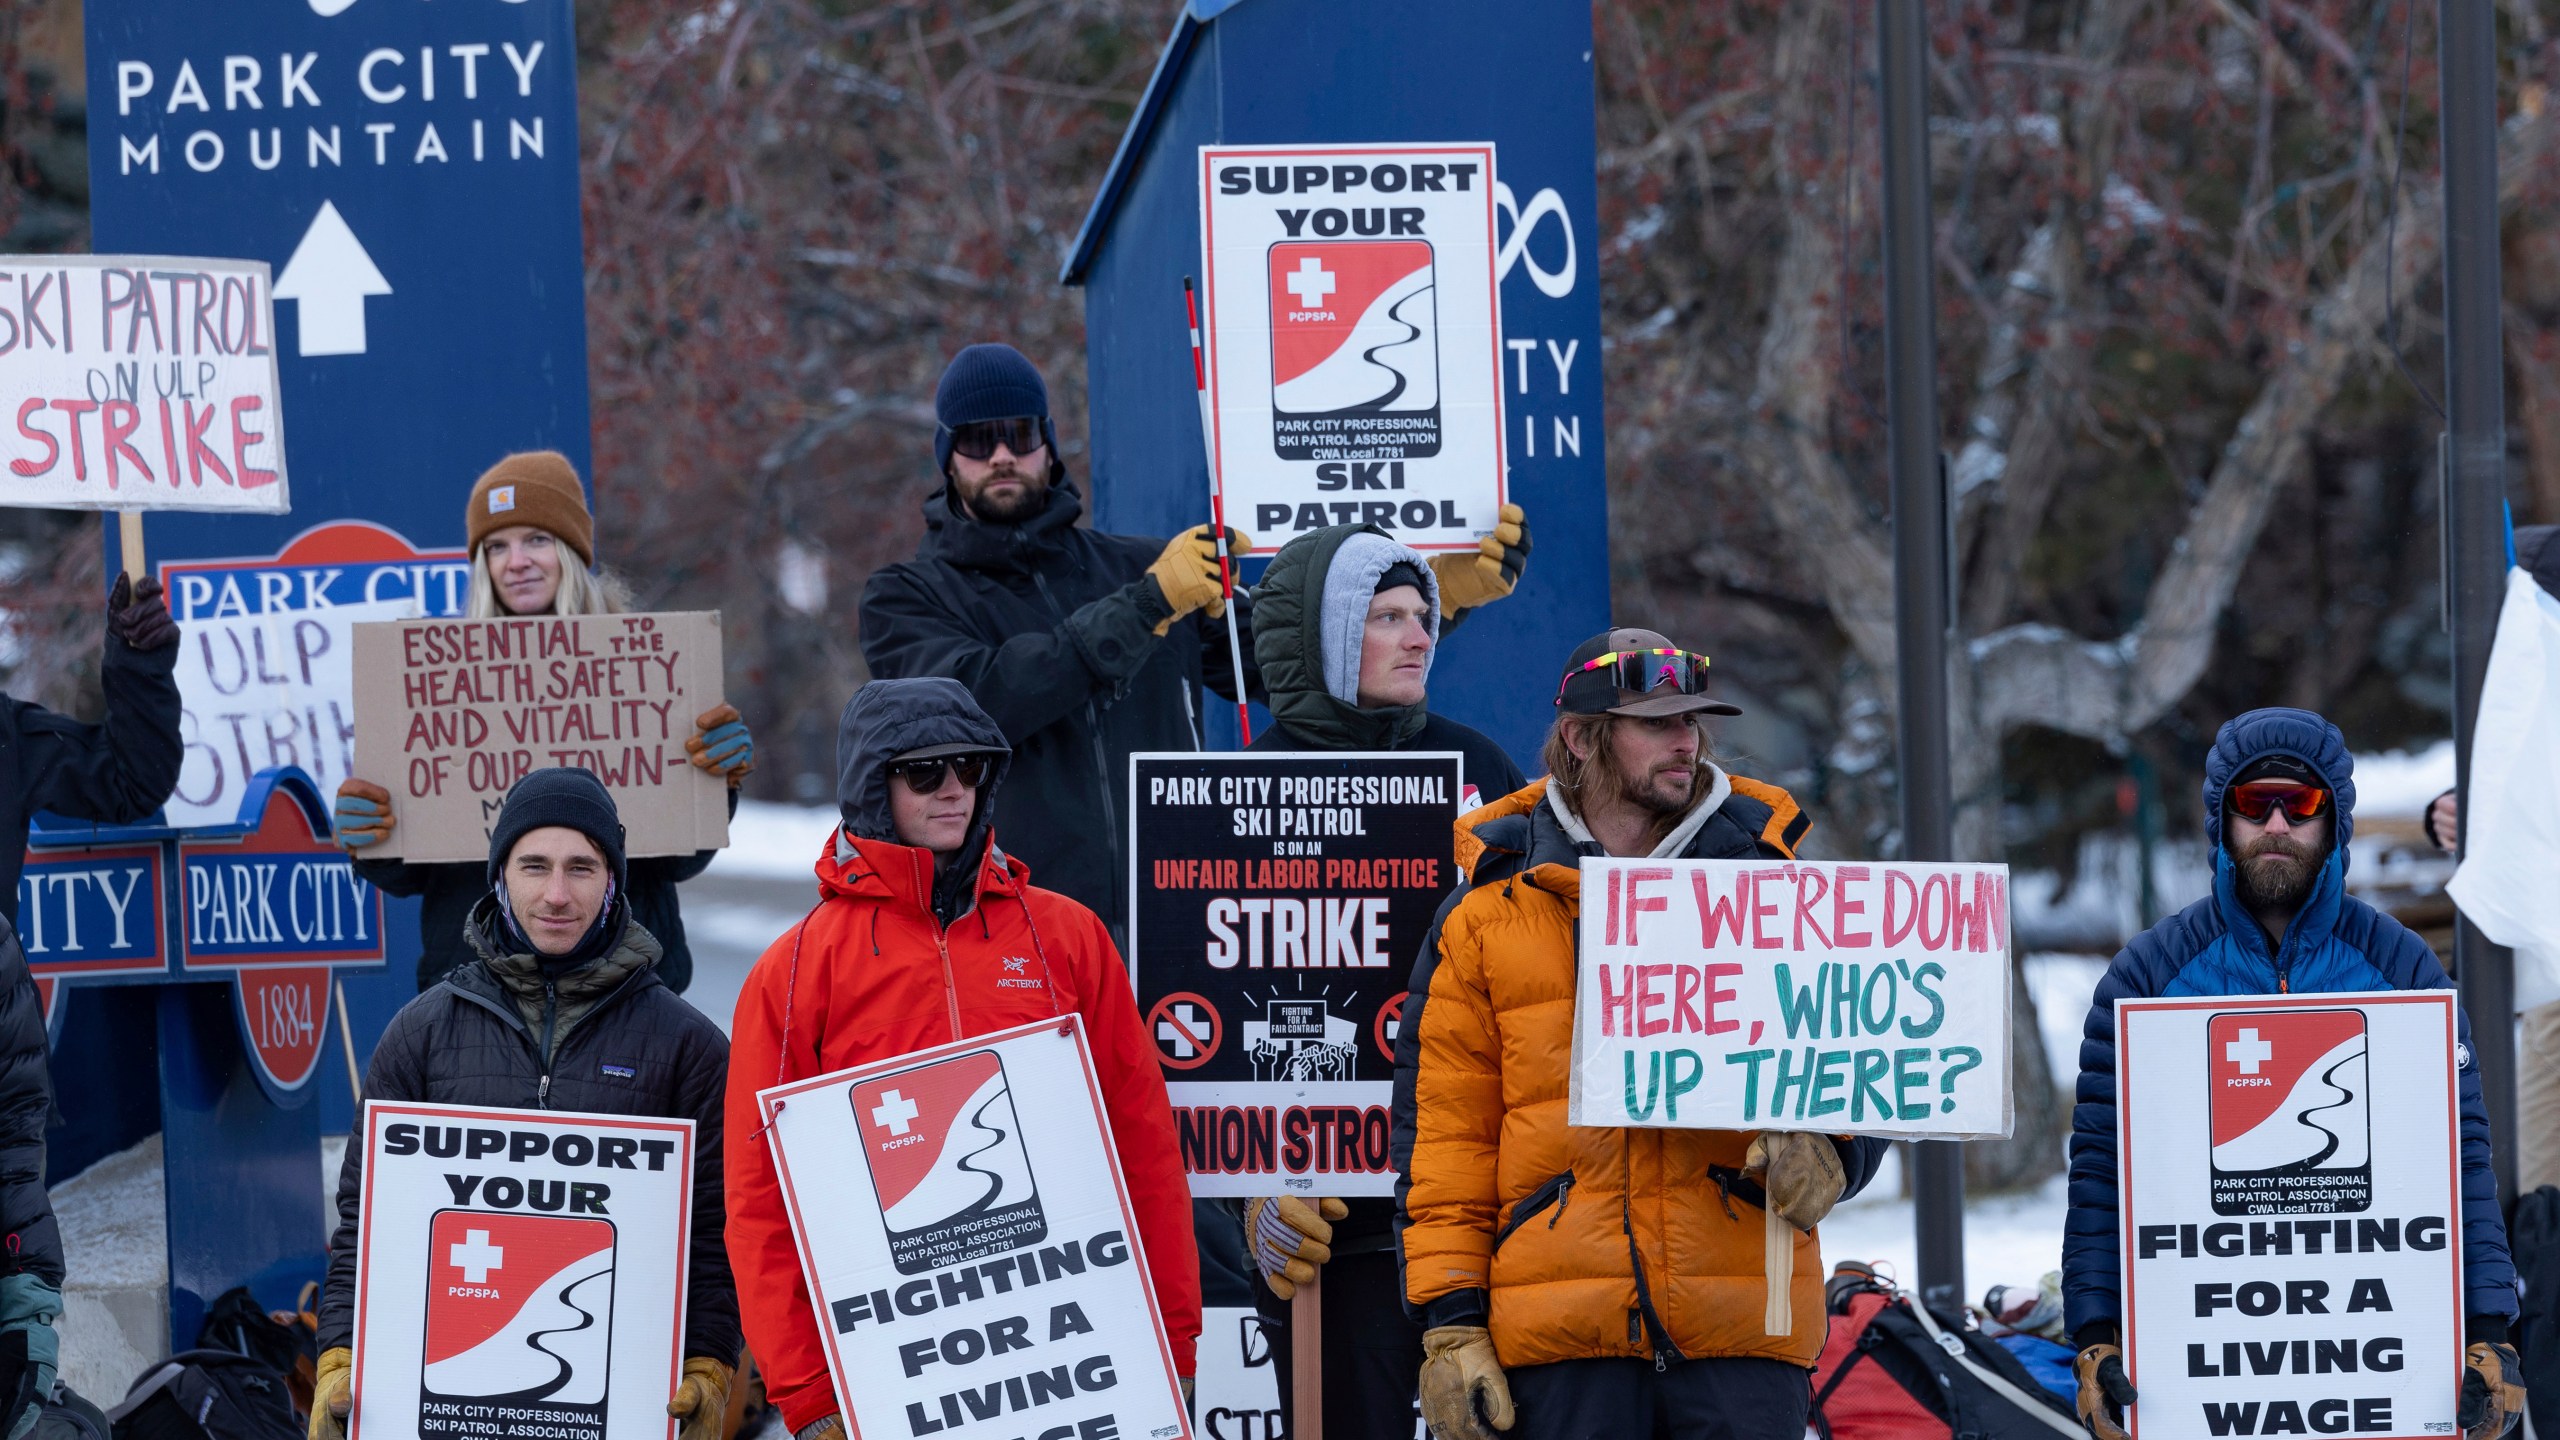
(533, 553)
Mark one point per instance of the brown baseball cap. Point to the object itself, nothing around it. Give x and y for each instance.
(1667, 680)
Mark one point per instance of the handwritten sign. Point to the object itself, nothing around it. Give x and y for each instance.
(139, 383)
(452, 713)
(1803, 995)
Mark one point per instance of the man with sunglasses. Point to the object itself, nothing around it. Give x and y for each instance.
(925, 933)
(1589, 1281)
(2279, 809)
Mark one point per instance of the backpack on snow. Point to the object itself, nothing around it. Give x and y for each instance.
(207, 1395)
(1891, 1369)
(285, 1341)
(68, 1415)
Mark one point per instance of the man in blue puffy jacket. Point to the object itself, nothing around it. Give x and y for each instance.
(2279, 804)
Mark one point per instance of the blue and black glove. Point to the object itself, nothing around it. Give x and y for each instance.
(721, 744)
(363, 816)
(29, 1350)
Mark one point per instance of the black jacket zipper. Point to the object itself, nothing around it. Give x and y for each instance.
(1557, 1192)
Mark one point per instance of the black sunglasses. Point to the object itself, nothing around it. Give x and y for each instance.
(925, 776)
(979, 438)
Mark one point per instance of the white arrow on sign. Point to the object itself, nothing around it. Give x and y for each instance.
(329, 276)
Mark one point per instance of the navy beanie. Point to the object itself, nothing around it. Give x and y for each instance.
(987, 382)
(564, 796)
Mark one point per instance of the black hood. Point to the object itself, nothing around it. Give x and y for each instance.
(952, 534)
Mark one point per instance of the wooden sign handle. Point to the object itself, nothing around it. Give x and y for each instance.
(1780, 1265)
(129, 524)
(1306, 1361)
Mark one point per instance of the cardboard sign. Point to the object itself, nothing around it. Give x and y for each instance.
(2290, 1221)
(520, 1274)
(139, 382)
(1277, 903)
(1352, 320)
(452, 713)
(1793, 995)
(266, 671)
(969, 1246)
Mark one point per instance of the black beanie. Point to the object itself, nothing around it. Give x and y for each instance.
(1403, 572)
(564, 796)
(987, 382)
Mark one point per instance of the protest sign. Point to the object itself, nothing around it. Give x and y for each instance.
(266, 675)
(2284, 1273)
(139, 382)
(1277, 903)
(520, 1274)
(1352, 331)
(451, 713)
(969, 1247)
(1868, 999)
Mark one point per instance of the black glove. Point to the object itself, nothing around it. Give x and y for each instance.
(136, 616)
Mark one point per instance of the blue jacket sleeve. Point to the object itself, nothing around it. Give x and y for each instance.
(2488, 1267)
(2092, 1287)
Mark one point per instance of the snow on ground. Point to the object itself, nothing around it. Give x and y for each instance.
(2399, 785)
(768, 841)
(115, 1311)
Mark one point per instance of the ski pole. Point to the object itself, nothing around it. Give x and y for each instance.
(1217, 512)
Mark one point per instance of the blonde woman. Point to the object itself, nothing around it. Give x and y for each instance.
(533, 553)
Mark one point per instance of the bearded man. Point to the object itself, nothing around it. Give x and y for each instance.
(2279, 808)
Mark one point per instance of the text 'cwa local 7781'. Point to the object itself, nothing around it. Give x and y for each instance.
(1278, 902)
(1868, 999)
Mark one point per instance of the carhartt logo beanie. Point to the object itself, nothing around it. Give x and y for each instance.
(532, 487)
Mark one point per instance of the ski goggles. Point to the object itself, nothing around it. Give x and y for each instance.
(925, 776)
(1645, 672)
(2257, 800)
(978, 439)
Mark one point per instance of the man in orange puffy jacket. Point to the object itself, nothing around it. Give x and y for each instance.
(1588, 1281)
(925, 933)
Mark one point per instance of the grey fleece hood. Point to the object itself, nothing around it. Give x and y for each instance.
(887, 718)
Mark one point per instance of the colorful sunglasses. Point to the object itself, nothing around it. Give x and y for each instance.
(1645, 671)
(2256, 800)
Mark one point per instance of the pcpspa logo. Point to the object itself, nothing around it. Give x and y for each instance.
(947, 1162)
(2292, 1128)
(1355, 350)
(519, 1333)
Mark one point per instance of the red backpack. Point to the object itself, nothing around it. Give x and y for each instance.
(1891, 1369)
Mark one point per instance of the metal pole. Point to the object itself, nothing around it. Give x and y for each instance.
(1922, 612)
(2474, 510)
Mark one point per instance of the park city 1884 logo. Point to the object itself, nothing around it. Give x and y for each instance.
(1355, 350)
(519, 1326)
(2291, 1105)
(947, 1162)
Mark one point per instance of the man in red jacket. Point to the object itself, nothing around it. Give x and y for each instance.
(926, 933)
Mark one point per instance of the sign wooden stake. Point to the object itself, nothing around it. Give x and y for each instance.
(1306, 1361)
(129, 524)
(1780, 1267)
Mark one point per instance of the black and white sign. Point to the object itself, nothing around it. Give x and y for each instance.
(1353, 329)
(520, 1274)
(1278, 902)
(967, 1238)
(2292, 1230)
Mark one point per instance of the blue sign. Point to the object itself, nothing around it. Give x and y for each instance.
(278, 909)
(410, 172)
(92, 914)
(1268, 72)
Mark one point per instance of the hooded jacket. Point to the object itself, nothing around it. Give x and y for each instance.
(1310, 615)
(2216, 947)
(871, 974)
(1052, 629)
(607, 1038)
(1574, 1242)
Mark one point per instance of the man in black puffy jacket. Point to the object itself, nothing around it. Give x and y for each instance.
(561, 1009)
(117, 772)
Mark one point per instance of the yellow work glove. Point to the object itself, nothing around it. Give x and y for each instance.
(1799, 1173)
(2105, 1390)
(1290, 1238)
(1187, 572)
(331, 1398)
(721, 744)
(1467, 581)
(702, 1400)
(363, 815)
(2492, 1402)
(1462, 1386)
